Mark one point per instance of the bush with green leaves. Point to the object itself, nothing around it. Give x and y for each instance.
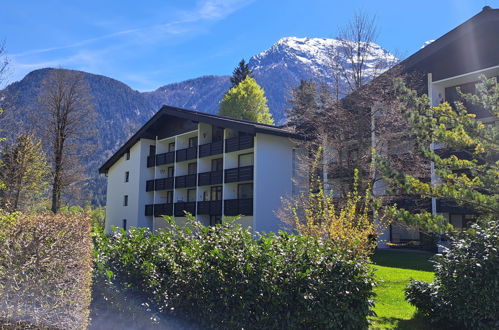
(45, 271)
(465, 292)
(225, 277)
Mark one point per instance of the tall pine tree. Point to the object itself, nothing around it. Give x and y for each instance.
(240, 73)
(246, 101)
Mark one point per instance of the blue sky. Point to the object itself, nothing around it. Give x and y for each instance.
(150, 43)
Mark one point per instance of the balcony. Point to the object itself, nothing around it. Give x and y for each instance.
(187, 154)
(159, 209)
(161, 159)
(189, 207)
(163, 209)
(159, 184)
(211, 149)
(210, 178)
(186, 181)
(239, 143)
(237, 174)
(233, 207)
(210, 207)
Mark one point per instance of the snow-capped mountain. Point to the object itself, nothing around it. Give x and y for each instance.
(277, 69)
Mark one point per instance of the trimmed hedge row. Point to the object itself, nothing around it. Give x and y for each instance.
(222, 277)
(45, 271)
(465, 292)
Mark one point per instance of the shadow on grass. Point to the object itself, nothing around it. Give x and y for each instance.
(417, 322)
(417, 260)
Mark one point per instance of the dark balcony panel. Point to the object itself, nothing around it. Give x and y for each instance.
(185, 181)
(233, 207)
(163, 184)
(151, 161)
(210, 149)
(182, 207)
(239, 143)
(237, 174)
(210, 207)
(150, 185)
(165, 158)
(163, 209)
(216, 208)
(187, 154)
(210, 178)
(149, 210)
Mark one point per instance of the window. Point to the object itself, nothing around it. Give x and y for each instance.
(125, 200)
(191, 195)
(217, 134)
(127, 176)
(152, 150)
(171, 146)
(217, 164)
(215, 219)
(124, 224)
(245, 190)
(127, 154)
(216, 193)
(169, 196)
(170, 172)
(193, 142)
(192, 168)
(246, 160)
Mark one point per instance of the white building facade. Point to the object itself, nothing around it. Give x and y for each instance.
(209, 166)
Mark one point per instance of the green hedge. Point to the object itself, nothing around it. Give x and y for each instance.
(45, 271)
(224, 277)
(465, 293)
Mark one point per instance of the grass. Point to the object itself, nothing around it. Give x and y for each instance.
(394, 269)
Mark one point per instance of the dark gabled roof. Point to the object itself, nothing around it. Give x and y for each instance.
(195, 116)
(473, 45)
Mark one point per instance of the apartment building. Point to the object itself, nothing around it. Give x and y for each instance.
(209, 166)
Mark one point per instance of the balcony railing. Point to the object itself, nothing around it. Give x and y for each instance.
(159, 209)
(233, 207)
(149, 210)
(159, 184)
(237, 174)
(163, 209)
(210, 178)
(161, 159)
(186, 181)
(210, 149)
(239, 143)
(182, 207)
(210, 207)
(187, 154)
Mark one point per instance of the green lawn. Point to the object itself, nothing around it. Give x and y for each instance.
(393, 270)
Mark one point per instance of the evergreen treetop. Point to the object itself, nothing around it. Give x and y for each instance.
(240, 73)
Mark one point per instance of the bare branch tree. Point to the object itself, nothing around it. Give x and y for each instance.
(66, 122)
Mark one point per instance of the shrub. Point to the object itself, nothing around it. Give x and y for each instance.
(465, 292)
(45, 271)
(224, 277)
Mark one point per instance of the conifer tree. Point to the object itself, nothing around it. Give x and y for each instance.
(246, 101)
(303, 114)
(240, 73)
(24, 171)
(467, 168)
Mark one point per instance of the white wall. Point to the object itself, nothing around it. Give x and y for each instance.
(273, 179)
(117, 188)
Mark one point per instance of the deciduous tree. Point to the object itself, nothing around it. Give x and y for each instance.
(66, 122)
(246, 101)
